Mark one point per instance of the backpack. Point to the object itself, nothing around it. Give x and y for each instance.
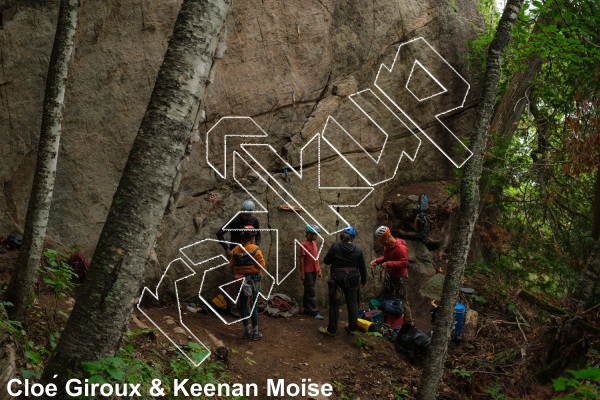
(393, 307)
(374, 316)
(220, 303)
(13, 242)
(80, 266)
(422, 223)
(413, 340)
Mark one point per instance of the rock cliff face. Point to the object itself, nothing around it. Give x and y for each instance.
(287, 64)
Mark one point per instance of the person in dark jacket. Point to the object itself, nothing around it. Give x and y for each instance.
(395, 262)
(244, 218)
(348, 271)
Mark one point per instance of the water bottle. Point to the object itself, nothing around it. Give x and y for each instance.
(459, 320)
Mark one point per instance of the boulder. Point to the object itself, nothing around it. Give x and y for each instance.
(406, 208)
(419, 258)
(470, 325)
(433, 287)
(290, 81)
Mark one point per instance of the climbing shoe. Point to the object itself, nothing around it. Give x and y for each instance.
(256, 336)
(324, 331)
(318, 316)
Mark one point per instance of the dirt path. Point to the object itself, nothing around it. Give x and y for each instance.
(293, 349)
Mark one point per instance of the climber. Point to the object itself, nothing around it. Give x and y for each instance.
(247, 260)
(347, 271)
(395, 262)
(242, 219)
(310, 271)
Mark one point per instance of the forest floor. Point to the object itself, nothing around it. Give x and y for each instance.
(497, 359)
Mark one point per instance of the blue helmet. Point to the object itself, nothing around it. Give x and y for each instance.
(312, 229)
(350, 230)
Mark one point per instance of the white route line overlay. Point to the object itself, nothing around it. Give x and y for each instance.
(417, 62)
(404, 153)
(289, 195)
(436, 116)
(156, 296)
(320, 238)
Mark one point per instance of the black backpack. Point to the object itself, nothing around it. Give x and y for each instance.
(13, 242)
(413, 340)
(422, 223)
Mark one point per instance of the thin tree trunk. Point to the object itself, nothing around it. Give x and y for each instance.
(507, 116)
(587, 280)
(596, 208)
(469, 206)
(23, 278)
(105, 304)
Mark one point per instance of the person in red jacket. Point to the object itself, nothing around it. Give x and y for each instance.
(395, 262)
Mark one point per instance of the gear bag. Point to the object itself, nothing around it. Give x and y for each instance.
(393, 307)
(422, 223)
(414, 340)
(374, 316)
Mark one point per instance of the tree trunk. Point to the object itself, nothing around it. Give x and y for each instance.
(469, 206)
(105, 304)
(23, 278)
(507, 116)
(596, 208)
(587, 280)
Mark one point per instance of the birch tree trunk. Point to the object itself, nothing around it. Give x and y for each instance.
(23, 278)
(106, 301)
(469, 206)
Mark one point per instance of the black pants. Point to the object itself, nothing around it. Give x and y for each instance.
(349, 284)
(309, 300)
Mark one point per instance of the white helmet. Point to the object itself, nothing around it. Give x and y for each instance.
(382, 231)
(247, 206)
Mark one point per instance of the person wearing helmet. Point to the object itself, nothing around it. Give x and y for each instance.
(348, 271)
(247, 260)
(243, 218)
(310, 271)
(395, 262)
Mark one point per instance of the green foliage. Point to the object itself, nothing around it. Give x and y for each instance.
(57, 273)
(462, 373)
(581, 386)
(479, 299)
(495, 392)
(31, 354)
(540, 181)
(342, 391)
(361, 342)
(399, 392)
(128, 367)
